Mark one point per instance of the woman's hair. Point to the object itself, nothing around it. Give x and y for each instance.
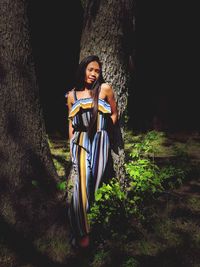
(80, 83)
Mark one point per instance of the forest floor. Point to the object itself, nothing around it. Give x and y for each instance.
(170, 238)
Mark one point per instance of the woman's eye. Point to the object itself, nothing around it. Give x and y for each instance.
(97, 71)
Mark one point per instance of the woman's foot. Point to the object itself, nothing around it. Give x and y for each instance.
(84, 242)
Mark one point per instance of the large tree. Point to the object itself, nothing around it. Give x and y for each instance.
(30, 208)
(108, 29)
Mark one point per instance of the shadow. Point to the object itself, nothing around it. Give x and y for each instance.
(192, 189)
(32, 164)
(24, 249)
(91, 11)
(184, 213)
(179, 255)
(2, 72)
(117, 141)
(117, 150)
(36, 216)
(29, 211)
(109, 170)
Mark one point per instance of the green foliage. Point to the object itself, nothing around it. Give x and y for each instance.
(109, 204)
(143, 176)
(171, 176)
(101, 258)
(145, 180)
(34, 183)
(147, 144)
(62, 185)
(112, 209)
(130, 262)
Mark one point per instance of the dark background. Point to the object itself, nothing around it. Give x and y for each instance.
(55, 34)
(163, 93)
(166, 63)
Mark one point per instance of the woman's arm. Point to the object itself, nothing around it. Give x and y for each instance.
(110, 97)
(69, 104)
(70, 130)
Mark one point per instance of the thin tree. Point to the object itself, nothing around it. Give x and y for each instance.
(108, 31)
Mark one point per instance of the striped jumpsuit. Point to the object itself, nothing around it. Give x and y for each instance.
(89, 159)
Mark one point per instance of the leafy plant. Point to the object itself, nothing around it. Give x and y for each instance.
(143, 176)
(145, 179)
(62, 185)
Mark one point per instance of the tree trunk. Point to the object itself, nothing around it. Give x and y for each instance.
(107, 32)
(29, 202)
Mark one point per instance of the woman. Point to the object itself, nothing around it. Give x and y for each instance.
(90, 105)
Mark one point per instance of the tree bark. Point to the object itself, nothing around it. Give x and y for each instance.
(107, 32)
(29, 202)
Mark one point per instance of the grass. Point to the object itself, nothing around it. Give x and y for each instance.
(169, 237)
(61, 156)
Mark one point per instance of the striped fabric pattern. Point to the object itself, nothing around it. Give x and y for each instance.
(87, 103)
(89, 160)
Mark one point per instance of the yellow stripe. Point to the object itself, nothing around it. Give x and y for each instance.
(84, 106)
(102, 109)
(83, 180)
(87, 106)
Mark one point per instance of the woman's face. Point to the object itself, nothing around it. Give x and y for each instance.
(92, 72)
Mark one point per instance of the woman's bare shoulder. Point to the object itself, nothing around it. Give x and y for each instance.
(70, 95)
(106, 88)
